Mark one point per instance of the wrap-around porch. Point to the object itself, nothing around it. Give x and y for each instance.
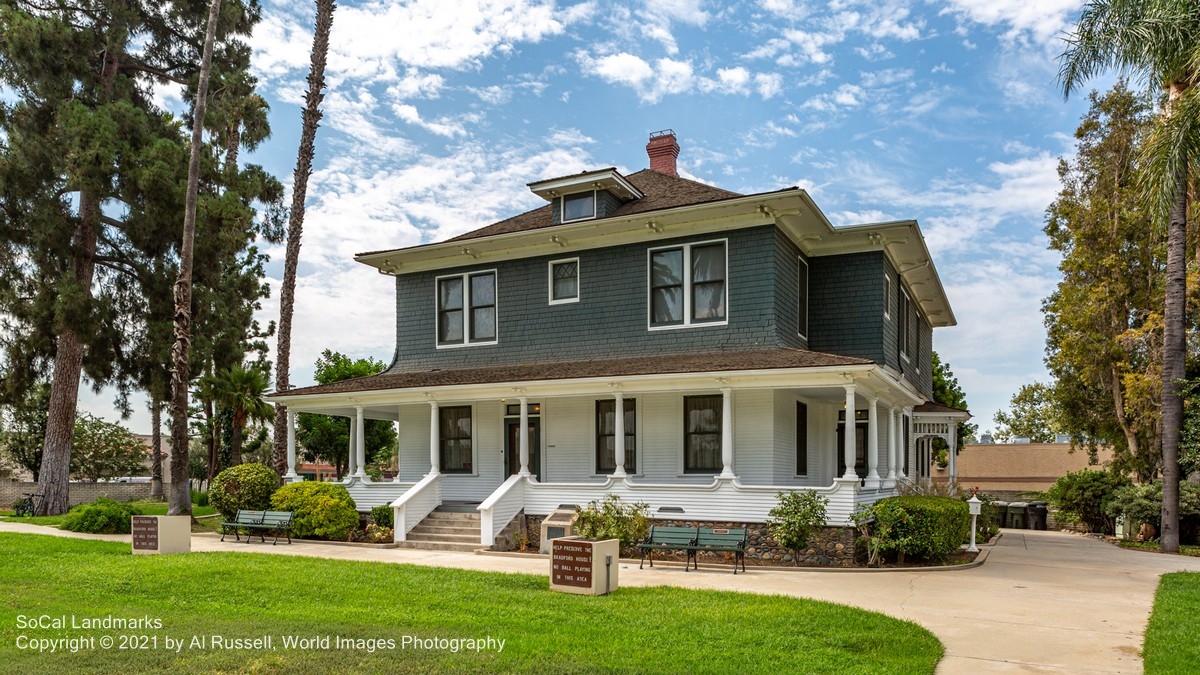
(711, 446)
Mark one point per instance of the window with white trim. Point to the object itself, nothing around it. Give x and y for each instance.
(606, 435)
(564, 281)
(688, 285)
(802, 299)
(454, 434)
(902, 327)
(887, 296)
(579, 206)
(466, 309)
(702, 423)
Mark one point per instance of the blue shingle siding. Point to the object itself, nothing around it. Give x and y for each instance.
(610, 318)
(606, 203)
(924, 378)
(891, 324)
(787, 274)
(845, 313)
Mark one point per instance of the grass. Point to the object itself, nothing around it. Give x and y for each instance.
(1171, 643)
(1153, 546)
(147, 508)
(241, 595)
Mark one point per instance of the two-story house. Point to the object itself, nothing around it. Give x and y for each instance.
(664, 340)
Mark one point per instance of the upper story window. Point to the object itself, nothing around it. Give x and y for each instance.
(688, 285)
(564, 281)
(902, 324)
(802, 299)
(466, 309)
(579, 206)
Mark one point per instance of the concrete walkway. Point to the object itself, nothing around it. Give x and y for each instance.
(1043, 602)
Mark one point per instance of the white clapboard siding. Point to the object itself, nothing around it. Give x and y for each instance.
(568, 432)
(754, 436)
(367, 496)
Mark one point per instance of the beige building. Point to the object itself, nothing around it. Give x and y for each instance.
(1021, 467)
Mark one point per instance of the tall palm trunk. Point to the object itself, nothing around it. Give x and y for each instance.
(304, 159)
(1174, 356)
(181, 499)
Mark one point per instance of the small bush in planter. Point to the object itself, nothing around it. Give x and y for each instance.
(103, 516)
(610, 518)
(383, 515)
(245, 486)
(319, 510)
(793, 521)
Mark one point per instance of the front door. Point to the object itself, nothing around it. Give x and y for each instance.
(512, 447)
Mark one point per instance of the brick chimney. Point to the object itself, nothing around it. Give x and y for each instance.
(663, 149)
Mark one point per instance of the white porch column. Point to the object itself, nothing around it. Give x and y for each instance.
(435, 455)
(398, 430)
(360, 443)
(727, 433)
(619, 440)
(849, 437)
(893, 452)
(524, 436)
(872, 444)
(351, 454)
(953, 442)
(291, 445)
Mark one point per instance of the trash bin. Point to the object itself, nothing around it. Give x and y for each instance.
(1035, 515)
(1000, 513)
(1016, 515)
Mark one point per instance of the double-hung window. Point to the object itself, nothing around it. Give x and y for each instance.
(455, 438)
(579, 206)
(466, 309)
(564, 281)
(902, 325)
(606, 435)
(802, 299)
(688, 285)
(702, 434)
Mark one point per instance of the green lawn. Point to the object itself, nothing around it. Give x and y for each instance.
(240, 595)
(1153, 546)
(1172, 640)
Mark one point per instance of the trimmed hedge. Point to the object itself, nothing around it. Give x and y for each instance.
(383, 515)
(319, 510)
(920, 526)
(103, 516)
(245, 486)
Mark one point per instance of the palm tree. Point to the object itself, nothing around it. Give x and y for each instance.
(240, 390)
(1157, 41)
(181, 484)
(304, 158)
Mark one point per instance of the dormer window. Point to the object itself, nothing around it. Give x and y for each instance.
(579, 206)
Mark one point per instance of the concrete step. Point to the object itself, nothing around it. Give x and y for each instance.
(447, 538)
(439, 545)
(427, 528)
(452, 517)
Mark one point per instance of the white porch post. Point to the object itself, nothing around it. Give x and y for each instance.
(872, 444)
(524, 436)
(398, 430)
(435, 456)
(902, 454)
(893, 453)
(953, 442)
(360, 443)
(619, 440)
(727, 433)
(849, 447)
(351, 455)
(291, 445)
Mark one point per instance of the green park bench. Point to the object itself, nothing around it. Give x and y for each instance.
(720, 540)
(262, 521)
(663, 538)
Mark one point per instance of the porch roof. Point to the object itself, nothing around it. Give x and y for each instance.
(756, 359)
(931, 408)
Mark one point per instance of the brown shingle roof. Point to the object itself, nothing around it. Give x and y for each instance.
(931, 407)
(661, 192)
(757, 359)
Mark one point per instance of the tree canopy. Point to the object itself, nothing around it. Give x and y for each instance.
(947, 391)
(1033, 413)
(328, 438)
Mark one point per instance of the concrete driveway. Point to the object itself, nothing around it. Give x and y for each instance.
(1043, 602)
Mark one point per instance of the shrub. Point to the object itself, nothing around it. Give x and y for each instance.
(319, 510)
(103, 516)
(199, 498)
(925, 527)
(1143, 504)
(795, 518)
(1084, 497)
(378, 534)
(610, 518)
(383, 515)
(245, 486)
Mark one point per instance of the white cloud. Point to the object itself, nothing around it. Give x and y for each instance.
(1040, 21)
(415, 84)
(442, 126)
(845, 96)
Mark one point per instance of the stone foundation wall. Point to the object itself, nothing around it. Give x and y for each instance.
(830, 546)
(81, 493)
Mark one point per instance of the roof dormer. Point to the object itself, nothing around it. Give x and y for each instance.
(587, 195)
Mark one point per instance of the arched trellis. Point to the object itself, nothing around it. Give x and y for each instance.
(931, 421)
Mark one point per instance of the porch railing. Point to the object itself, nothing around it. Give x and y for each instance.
(412, 506)
(498, 510)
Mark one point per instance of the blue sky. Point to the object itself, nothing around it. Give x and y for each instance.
(438, 113)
